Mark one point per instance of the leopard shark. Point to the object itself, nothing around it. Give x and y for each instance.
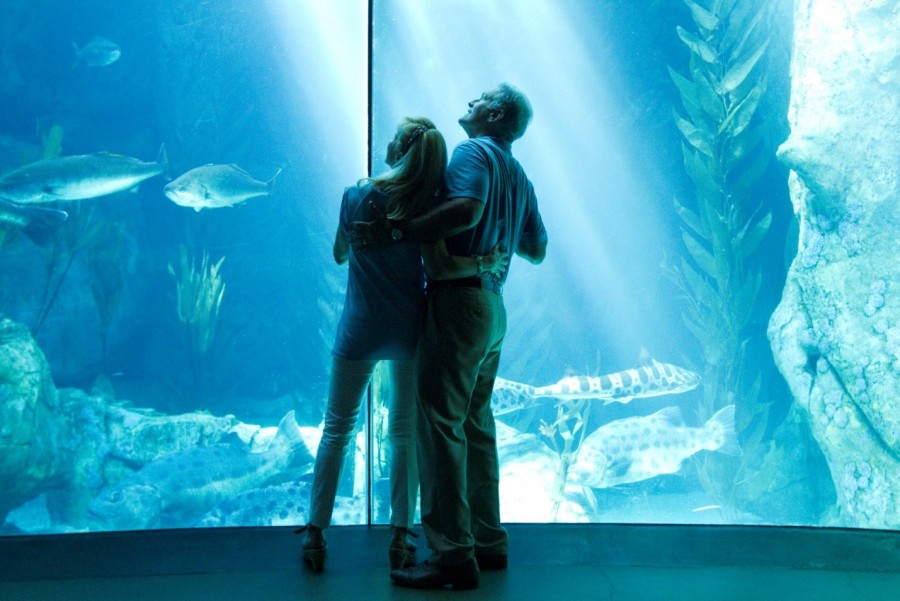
(648, 380)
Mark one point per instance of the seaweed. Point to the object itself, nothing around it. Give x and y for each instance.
(83, 228)
(105, 260)
(200, 291)
(724, 156)
(570, 427)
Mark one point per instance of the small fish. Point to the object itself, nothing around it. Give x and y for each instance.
(177, 489)
(38, 223)
(99, 52)
(78, 177)
(637, 448)
(215, 186)
(653, 379)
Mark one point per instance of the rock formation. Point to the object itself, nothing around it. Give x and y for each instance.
(836, 332)
(28, 404)
(68, 445)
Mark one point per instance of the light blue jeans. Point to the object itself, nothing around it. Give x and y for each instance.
(349, 379)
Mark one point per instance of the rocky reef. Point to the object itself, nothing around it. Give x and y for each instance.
(29, 434)
(65, 446)
(836, 332)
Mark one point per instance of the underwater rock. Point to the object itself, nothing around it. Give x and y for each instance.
(65, 446)
(139, 436)
(836, 332)
(29, 438)
(791, 483)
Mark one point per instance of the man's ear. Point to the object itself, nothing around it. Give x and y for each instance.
(495, 115)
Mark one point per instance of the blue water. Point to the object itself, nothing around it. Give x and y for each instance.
(284, 85)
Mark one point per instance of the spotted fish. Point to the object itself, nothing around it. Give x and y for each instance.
(174, 490)
(637, 448)
(653, 379)
(285, 504)
(510, 396)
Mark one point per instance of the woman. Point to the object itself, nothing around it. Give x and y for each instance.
(382, 315)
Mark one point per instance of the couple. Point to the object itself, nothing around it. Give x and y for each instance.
(463, 219)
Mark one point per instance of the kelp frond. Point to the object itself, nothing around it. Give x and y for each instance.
(200, 291)
(724, 160)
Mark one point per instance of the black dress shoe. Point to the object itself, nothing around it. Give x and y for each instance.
(492, 562)
(459, 577)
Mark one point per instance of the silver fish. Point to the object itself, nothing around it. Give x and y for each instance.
(38, 223)
(638, 448)
(78, 177)
(215, 186)
(653, 379)
(178, 488)
(99, 52)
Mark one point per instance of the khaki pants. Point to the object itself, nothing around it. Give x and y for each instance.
(459, 470)
(349, 379)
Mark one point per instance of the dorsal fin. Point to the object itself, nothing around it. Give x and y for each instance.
(644, 357)
(669, 414)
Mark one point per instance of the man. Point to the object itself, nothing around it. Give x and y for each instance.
(489, 202)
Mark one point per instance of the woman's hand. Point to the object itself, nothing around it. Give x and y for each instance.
(495, 262)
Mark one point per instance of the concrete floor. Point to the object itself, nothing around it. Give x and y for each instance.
(601, 561)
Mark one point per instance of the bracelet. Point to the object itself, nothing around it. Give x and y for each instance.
(479, 264)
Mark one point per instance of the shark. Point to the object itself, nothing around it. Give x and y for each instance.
(648, 380)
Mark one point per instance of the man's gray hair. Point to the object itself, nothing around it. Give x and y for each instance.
(516, 112)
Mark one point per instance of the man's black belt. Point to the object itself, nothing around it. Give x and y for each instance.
(472, 282)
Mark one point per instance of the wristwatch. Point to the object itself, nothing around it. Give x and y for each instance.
(396, 234)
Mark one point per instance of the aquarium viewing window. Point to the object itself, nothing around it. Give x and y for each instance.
(713, 338)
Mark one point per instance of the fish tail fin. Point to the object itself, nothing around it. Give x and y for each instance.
(162, 159)
(288, 439)
(270, 184)
(44, 224)
(288, 429)
(723, 422)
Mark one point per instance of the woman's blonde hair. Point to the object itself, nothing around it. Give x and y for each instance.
(417, 175)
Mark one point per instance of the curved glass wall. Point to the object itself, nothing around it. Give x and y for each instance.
(712, 338)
